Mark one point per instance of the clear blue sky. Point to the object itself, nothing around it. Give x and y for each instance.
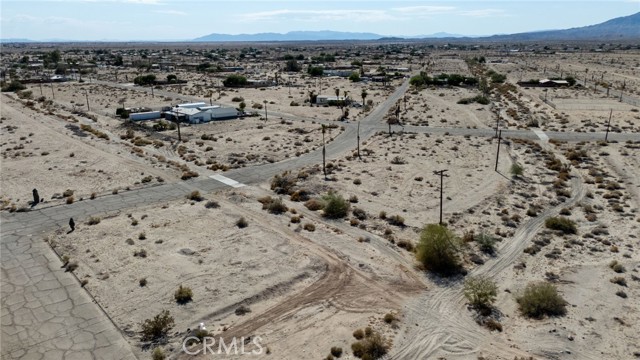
(180, 20)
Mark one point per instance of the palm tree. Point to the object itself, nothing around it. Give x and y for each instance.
(311, 96)
(364, 95)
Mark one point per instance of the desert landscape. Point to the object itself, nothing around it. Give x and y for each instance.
(443, 203)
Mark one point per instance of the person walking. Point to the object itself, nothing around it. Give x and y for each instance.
(72, 224)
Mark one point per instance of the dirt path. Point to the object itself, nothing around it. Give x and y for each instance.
(445, 326)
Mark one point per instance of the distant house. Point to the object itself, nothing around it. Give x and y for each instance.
(329, 100)
(58, 78)
(340, 73)
(259, 83)
(202, 114)
(553, 83)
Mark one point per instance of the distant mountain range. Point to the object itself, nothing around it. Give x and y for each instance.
(627, 27)
(621, 28)
(311, 36)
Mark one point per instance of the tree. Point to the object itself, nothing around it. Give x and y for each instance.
(438, 250)
(292, 66)
(354, 77)
(481, 292)
(541, 298)
(14, 85)
(235, 80)
(315, 71)
(171, 78)
(364, 94)
(145, 80)
(158, 327)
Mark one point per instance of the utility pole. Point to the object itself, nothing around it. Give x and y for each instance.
(324, 154)
(265, 111)
(86, 94)
(152, 95)
(359, 141)
(177, 123)
(442, 176)
(53, 95)
(498, 154)
(41, 87)
(497, 124)
(606, 136)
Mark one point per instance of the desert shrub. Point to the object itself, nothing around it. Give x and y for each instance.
(398, 161)
(492, 325)
(158, 354)
(212, 204)
(195, 196)
(186, 175)
(359, 213)
(283, 184)
(277, 206)
(396, 220)
(617, 267)
(336, 351)
(242, 223)
(142, 282)
(357, 182)
(486, 243)
(140, 253)
(94, 220)
(389, 318)
(516, 170)
(619, 280)
(158, 327)
(70, 200)
(142, 236)
(561, 223)
(242, 309)
(314, 204)
(309, 227)
(405, 244)
(358, 334)
(183, 295)
(373, 346)
(438, 250)
(481, 292)
(622, 294)
(67, 193)
(539, 299)
(335, 206)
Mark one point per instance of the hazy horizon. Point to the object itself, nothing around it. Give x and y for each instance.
(171, 20)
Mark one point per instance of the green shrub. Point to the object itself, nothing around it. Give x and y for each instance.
(335, 206)
(158, 327)
(539, 299)
(516, 170)
(480, 292)
(158, 354)
(486, 243)
(561, 223)
(183, 295)
(438, 250)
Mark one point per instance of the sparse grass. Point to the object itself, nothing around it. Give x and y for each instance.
(183, 295)
(539, 299)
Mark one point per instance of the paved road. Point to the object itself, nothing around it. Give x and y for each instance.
(46, 314)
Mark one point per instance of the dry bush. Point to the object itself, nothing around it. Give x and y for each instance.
(335, 206)
(183, 295)
(539, 299)
(314, 204)
(195, 196)
(561, 223)
(309, 227)
(242, 223)
(94, 220)
(158, 327)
